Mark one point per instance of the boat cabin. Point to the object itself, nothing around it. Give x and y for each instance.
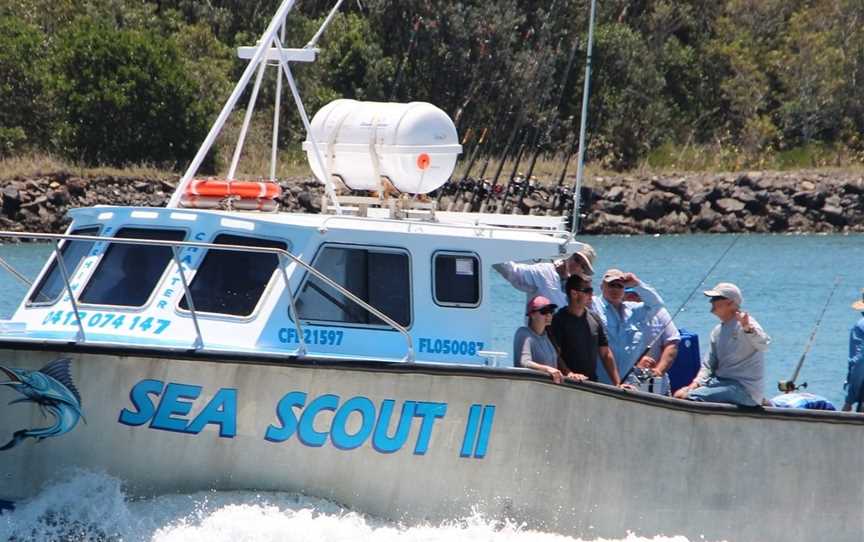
(166, 285)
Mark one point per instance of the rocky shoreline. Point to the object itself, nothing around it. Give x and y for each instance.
(756, 202)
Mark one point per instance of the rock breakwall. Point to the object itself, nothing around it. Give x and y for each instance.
(759, 202)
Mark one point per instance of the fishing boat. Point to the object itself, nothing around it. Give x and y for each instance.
(219, 344)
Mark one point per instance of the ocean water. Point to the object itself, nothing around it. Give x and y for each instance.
(786, 281)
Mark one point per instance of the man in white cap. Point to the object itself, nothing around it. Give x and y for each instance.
(855, 377)
(734, 370)
(548, 278)
(627, 323)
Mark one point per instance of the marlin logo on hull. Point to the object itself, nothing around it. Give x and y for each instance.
(52, 388)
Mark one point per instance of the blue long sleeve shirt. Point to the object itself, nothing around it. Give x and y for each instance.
(856, 367)
(628, 328)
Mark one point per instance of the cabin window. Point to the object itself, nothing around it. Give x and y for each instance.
(128, 273)
(51, 287)
(379, 277)
(457, 279)
(232, 282)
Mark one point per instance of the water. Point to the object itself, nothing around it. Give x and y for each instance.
(785, 281)
(92, 506)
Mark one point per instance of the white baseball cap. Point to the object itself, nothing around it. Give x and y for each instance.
(727, 290)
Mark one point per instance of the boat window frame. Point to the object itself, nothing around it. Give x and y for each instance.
(457, 253)
(48, 268)
(384, 326)
(157, 285)
(186, 313)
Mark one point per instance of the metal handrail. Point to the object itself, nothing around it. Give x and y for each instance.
(515, 229)
(281, 253)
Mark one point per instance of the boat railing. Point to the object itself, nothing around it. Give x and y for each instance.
(285, 258)
(477, 225)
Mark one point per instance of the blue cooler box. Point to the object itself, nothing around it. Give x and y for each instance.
(687, 364)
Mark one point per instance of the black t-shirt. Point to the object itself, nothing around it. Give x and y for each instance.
(579, 338)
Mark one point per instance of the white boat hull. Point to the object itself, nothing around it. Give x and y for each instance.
(581, 460)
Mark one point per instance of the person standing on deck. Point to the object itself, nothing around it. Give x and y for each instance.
(532, 347)
(734, 370)
(580, 336)
(855, 376)
(627, 323)
(548, 278)
(662, 343)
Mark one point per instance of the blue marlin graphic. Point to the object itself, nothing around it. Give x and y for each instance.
(52, 388)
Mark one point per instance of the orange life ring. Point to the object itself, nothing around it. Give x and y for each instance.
(241, 189)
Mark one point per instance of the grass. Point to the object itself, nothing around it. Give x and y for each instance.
(713, 158)
(255, 160)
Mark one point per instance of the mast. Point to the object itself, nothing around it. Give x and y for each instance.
(269, 48)
(577, 190)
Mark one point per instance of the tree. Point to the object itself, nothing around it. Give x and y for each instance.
(25, 106)
(125, 97)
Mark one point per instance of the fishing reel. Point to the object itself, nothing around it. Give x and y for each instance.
(643, 374)
(788, 386)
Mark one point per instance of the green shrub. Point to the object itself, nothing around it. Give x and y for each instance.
(25, 109)
(125, 97)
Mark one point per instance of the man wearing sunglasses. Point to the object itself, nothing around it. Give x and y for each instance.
(627, 323)
(580, 336)
(547, 278)
(734, 370)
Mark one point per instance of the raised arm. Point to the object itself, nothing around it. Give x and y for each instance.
(753, 332)
(520, 275)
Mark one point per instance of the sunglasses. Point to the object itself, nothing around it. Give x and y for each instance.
(717, 298)
(614, 285)
(586, 290)
(546, 310)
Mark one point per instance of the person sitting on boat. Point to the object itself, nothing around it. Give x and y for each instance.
(663, 339)
(855, 377)
(734, 370)
(578, 332)
(626, 322)
(532, 347)
(548, 278)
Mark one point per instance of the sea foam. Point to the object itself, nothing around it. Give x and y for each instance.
(92, 506)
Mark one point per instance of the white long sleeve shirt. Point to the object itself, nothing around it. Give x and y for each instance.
(535, 279)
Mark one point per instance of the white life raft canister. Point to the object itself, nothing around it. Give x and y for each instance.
(414, 145)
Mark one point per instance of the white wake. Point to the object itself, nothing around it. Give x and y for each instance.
(91, 506)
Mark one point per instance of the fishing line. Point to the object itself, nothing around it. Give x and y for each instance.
(787, 386)
(5, 265)
(735, 238)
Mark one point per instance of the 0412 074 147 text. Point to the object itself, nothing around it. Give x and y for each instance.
(107, 320)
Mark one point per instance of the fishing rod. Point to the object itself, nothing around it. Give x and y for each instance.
(534, 82)
(447, 186)
(503, 199)
(562, 88)
(517, 128)
(561, 194)
(479, 185)
(788, 386)
(460, 187)
(397, 80)
(695, 289)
